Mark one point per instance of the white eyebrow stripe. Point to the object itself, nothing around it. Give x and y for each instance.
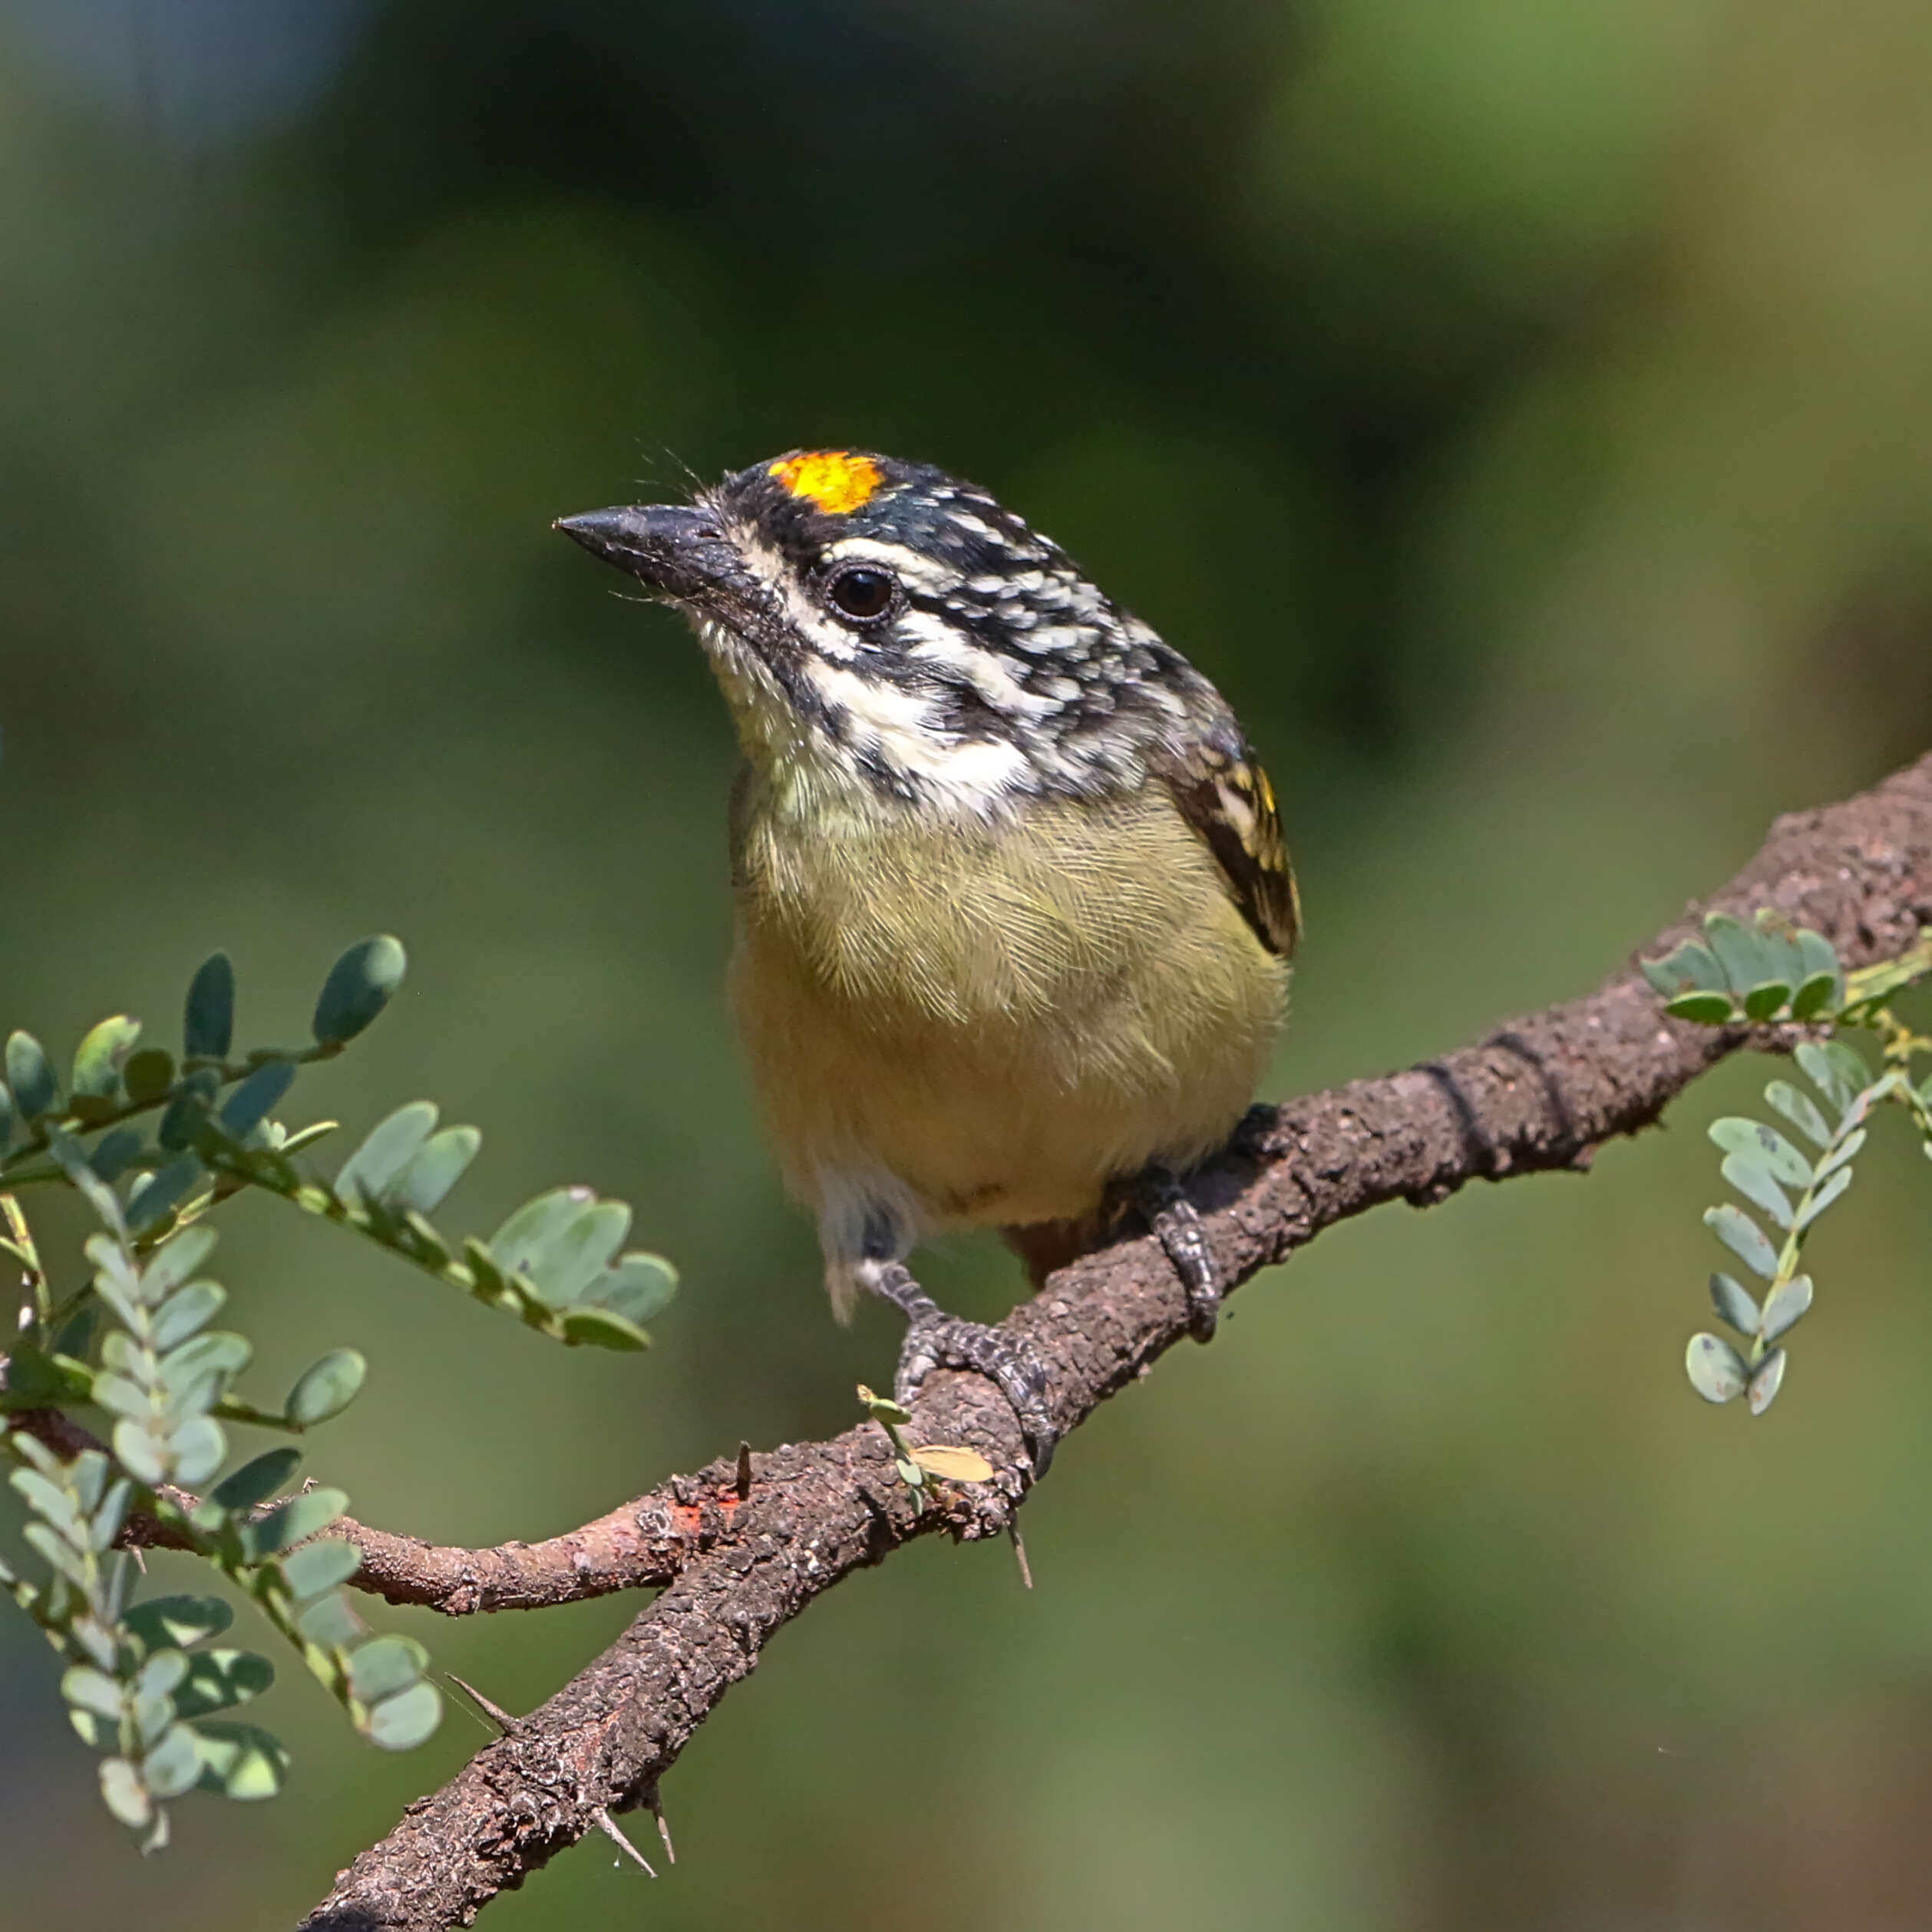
(1017, 588)
(916, 572)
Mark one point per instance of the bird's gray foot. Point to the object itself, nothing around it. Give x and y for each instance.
(935, 1339)
(1176, 1223)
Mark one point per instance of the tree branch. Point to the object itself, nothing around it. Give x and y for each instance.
(1542, 1094)
(638, 1545)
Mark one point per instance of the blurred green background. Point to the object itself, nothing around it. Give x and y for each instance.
(1523, 410)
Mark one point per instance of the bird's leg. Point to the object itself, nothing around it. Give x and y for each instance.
(935, 1339)
(1176, 1223)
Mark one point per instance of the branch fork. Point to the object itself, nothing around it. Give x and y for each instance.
(735, 1559)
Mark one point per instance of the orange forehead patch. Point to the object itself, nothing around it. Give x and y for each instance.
(835, 480)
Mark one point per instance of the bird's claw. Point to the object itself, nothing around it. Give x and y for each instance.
(1176, 1223)
(942, 1341)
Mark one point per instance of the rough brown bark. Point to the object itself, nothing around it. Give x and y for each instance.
(1543, 1093)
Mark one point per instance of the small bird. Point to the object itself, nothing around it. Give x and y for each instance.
(1014, 911)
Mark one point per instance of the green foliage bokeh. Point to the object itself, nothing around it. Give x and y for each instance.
(1523, 413)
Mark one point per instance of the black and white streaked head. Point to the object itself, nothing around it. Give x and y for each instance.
(886, 625)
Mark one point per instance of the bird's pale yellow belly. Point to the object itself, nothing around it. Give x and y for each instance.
(994, 1021)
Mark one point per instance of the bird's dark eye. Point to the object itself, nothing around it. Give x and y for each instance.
(861, 591)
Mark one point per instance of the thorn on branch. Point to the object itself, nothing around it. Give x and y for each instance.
(607, 1825)
(495, 1712)
(743, 1472)
(663, 1827)
(1020, 1553)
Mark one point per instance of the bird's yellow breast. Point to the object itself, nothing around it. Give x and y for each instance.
(995, 1019)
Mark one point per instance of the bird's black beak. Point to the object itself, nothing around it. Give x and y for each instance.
(679, 551)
